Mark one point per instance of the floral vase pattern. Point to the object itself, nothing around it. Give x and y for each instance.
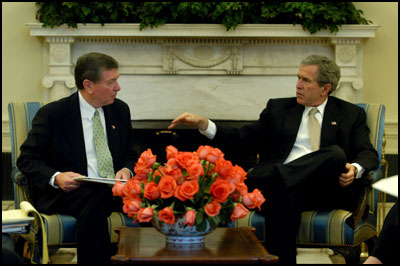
(179, 233)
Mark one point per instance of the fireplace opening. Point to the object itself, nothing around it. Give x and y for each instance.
(154, 134)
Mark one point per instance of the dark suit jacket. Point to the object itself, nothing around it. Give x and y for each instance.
(56, 143)
(274, 134)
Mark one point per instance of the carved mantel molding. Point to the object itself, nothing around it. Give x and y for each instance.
(255, 53)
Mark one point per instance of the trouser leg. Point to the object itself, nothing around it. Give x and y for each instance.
(308, 182)
(91, 204)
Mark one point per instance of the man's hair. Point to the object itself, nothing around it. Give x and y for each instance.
(91, 66)
(328, 71)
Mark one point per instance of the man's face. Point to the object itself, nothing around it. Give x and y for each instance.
(308, 91)
(105, 91)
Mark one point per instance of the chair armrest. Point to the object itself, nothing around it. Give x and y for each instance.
(21, 187)
(16, 175)
(361, 210)
(375, 175)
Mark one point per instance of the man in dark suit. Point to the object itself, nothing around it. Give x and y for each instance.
(61, 146)
(301, 168)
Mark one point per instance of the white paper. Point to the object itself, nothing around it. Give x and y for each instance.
(389, 185)
(98, 180)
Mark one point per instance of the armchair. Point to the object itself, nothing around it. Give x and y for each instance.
(341, 230)
(59, 230)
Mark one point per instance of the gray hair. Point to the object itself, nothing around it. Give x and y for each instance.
(91, 66)
(328, 71)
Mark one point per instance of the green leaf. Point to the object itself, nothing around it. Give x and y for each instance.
(199, 217)
(202, 226)
(313, 16)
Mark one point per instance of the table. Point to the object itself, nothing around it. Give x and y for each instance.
(224, 245)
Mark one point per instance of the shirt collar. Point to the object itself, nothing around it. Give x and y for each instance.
(87, 110)
(321, 108)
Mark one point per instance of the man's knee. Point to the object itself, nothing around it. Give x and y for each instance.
(336, 154)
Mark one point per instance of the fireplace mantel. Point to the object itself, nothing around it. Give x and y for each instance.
(202, 67)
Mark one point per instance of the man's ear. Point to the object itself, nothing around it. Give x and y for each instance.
(88, 85)
(326, 89)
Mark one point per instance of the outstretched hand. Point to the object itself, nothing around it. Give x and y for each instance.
(190, 120)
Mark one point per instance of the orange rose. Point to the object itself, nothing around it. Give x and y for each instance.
(187, 190)
(167, 186)
(172, 152)
(237, 175)
(190, 217)
(118, 189)
(221, 189)
(167, 215)
(172, 169)
(147, 158)
(131, 206)
(253, 199)
(132, 188)
(242, 188)
(145, 215)
(239, 212)
(212, 209)
(151, 191)
(224, 168)
(183, 158)
(215, 155)
(195, 171)
(203, 151)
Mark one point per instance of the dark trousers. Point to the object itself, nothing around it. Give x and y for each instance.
(90, 204)
(307, 183)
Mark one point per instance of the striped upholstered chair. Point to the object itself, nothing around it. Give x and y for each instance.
(59, 230)
(341, 230)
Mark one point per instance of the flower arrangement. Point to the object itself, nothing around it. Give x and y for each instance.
(199, 185)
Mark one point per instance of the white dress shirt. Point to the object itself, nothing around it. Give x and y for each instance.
(87, 114)
(302, 145)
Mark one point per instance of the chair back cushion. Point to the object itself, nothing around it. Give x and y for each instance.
(376, 123)
(20, 116)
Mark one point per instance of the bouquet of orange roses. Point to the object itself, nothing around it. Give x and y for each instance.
(199, 185)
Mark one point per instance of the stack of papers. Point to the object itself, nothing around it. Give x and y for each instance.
(98, 180)
(17, 221)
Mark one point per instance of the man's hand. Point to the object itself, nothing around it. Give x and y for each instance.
(347, 178)
(190, 120)
(124, 173)
(65, 181)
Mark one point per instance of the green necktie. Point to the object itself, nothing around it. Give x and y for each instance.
(103, 155)
(314, 129)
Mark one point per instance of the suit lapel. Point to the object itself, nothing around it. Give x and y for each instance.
(330, 124)
(74, 131)
(292, 122)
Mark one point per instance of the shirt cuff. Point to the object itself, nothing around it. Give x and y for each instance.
(360, 170)
(210, 131)
(52, 179)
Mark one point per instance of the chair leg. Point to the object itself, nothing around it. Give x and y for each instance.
(371, 243)
(350, 254)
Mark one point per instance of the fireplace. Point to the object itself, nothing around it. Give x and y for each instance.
(227, 76)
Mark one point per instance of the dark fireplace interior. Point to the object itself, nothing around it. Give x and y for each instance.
(154, 134)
